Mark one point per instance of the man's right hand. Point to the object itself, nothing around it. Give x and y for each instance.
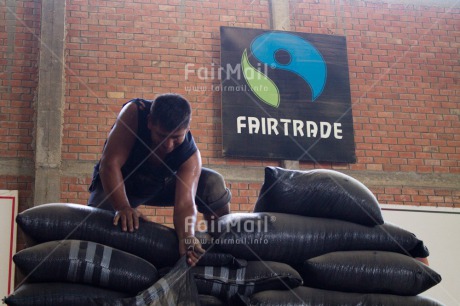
(129, 218)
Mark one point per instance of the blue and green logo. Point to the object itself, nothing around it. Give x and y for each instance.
(288, 52)
(285, 95)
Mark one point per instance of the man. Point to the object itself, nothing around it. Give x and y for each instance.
(150, 158)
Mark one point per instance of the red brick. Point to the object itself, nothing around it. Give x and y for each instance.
(413, 102)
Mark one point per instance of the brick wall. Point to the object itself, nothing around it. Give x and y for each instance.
(119, 50)
(404, 74)
(19, 29)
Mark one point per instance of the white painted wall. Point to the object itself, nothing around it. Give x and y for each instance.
(439, 228)
(8, 212)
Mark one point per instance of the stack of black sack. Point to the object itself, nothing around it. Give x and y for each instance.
(329, 227)
(315, 238)
(222, 279)
(75, 256)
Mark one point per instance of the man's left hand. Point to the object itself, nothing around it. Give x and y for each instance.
(191, 246)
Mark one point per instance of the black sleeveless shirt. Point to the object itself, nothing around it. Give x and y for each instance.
(139, 176)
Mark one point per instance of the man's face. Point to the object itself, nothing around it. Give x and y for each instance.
(166, 141)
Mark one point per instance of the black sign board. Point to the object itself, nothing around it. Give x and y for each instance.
(285, 95)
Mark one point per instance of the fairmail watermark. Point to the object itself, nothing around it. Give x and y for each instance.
(257, 224)
(215, 72)
(236, 240)
(226, 88)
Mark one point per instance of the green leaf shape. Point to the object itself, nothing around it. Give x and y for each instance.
(261, 85)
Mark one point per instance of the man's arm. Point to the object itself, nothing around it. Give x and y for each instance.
(185, 212)
(119, 144)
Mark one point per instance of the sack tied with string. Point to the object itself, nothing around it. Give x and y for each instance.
(154, 242)
(292, 239)
(86, 262)
(369, 272)
(302, 296)
(59, 294)
(225, 282)
(318, 193)
(175, 288)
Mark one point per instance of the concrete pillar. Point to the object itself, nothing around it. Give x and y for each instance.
(10, 26)
(280, 20)
(49, 105)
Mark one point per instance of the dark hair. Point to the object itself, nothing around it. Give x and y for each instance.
(170, 111)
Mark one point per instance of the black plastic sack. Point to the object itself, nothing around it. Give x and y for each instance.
(369, 272)
(59, 294)
(213, 256)
(206, 240)
(224, 282)
(154, 242)
(292, 239)
(318, 193)
(176, 288)
(302, 296)
(88, 263)
(209, 300)
(218, 259)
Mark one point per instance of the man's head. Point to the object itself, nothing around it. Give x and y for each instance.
(170, 112)
(169, 122)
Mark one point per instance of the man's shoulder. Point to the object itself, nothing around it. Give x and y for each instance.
(139, 103)
(138, 108)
